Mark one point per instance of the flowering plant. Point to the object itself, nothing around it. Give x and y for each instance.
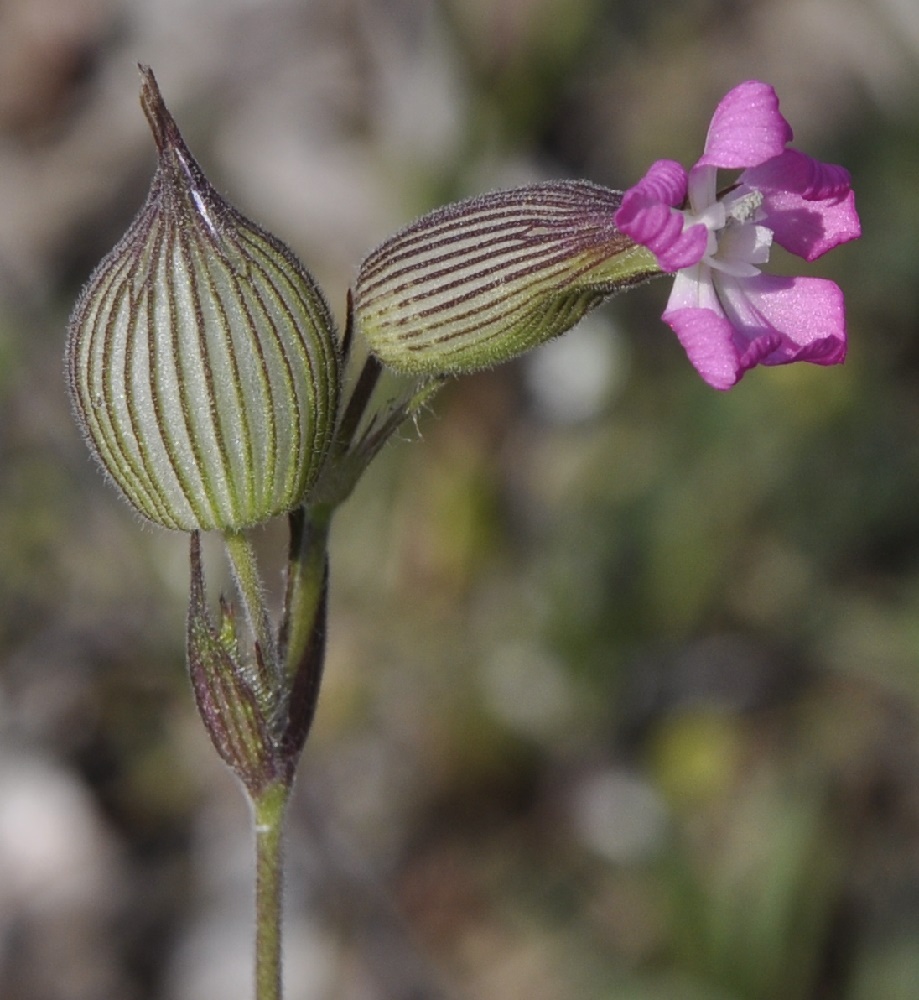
(206, 373)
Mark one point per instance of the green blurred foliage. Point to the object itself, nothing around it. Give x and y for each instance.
(617, 705)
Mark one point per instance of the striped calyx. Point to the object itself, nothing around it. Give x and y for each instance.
(202, 357)
(478, 282)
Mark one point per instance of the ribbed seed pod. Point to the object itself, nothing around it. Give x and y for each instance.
(202, 357)
(475, 283)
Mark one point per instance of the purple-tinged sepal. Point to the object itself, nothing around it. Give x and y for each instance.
(230, 694)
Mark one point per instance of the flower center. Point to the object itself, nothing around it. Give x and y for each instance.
(737, 246)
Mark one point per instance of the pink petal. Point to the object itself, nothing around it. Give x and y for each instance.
(809, 205)
(747, 128)
(708, 339)
(777, 320)
(765, 320)
(664, 181)
(794, 171)
(649, 216)
(809, 229)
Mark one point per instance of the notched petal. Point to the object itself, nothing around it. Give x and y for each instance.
(649, 215)
(800, 174)
(809, 205)
(747, 128)
(708, 339)
(803, 319)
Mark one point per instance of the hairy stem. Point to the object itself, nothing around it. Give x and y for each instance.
(306, 581)
(268, 812)
(245, 573)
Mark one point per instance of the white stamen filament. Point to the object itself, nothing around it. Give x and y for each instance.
(736, 244)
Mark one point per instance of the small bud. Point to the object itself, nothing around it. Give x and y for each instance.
(257, 718)
(478, 282)
(228, 695)
(202, 357)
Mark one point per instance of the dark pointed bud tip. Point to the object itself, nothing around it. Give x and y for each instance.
(202, 357)
(155, 109)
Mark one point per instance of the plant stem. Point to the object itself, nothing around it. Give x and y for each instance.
(268, 811)
(306, 582)
(245, 572)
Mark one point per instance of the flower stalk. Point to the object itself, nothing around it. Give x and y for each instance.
(257, 713)
(302, 632)
(269, 809)
(241, 555)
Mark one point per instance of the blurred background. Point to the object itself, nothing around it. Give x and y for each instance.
(622, 697)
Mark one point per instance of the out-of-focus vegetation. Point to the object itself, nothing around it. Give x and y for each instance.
(622, 698)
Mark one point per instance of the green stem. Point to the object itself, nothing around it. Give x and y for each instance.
(245, 572)
(268, 811)
(306, 579)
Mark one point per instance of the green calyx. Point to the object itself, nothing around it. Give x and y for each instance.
(202, 357)
(481, 281)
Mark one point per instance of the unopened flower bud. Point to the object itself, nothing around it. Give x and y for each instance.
(202, 356)
(478, 282)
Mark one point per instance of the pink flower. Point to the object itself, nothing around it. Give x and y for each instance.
(726, 313)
